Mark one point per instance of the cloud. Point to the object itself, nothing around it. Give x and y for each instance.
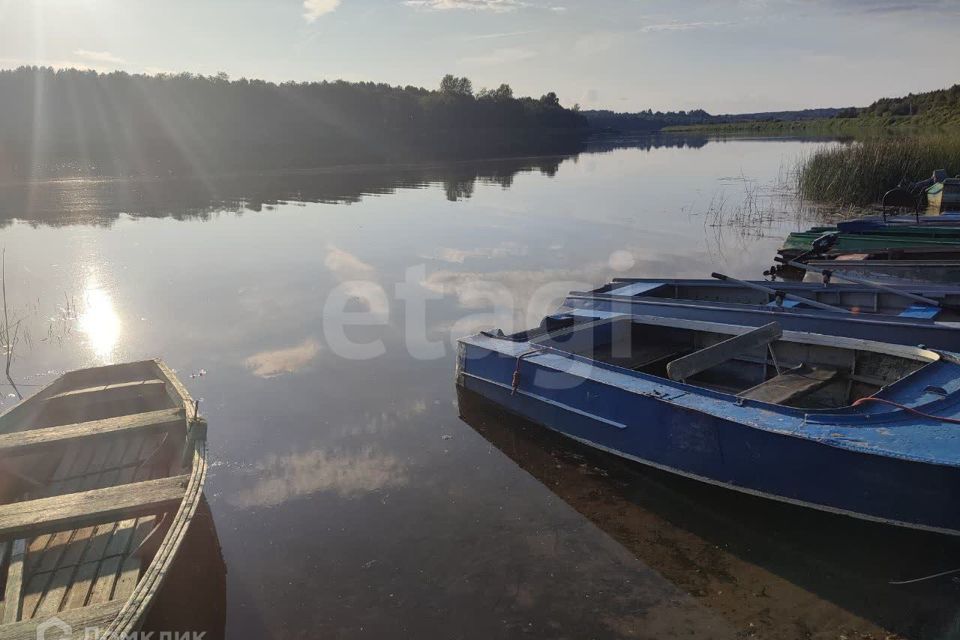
(281, 478)
(459, 256)
(894, 6)
(99, 56)
(347, 266)
(683, 26)
(507, 34)
(499, 56)
(496, 6)
(269, 364)
(597, 42)
(313, 9)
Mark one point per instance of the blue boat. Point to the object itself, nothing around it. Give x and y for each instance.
(875, 314)
(873, 223)
(843, 425)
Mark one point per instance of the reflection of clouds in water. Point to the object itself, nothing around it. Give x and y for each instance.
(336, 467)
(347, 266)
(357, 284)
(268, 364)
(513, 298)
(516, 300)
(282, 478)
(459, 256)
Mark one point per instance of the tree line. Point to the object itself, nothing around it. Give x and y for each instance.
(913, 104)
(142, 124)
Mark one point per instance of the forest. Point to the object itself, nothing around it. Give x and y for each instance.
(81, 122)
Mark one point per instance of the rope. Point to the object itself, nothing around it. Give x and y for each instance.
(907, 409)
(515, 382)
(936, 575)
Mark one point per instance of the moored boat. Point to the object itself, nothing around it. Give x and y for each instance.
(854, 311)
(902, 273)
(839, 424)
(944, 196)
(802, 241)
(102, 472)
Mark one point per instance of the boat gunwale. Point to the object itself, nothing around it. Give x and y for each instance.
(865, 317)
(857, 416)
(818, 339)
(135, 608)
(933, 287)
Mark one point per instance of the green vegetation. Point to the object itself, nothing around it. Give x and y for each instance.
(122, 124)
(933, 110)
(861, 172)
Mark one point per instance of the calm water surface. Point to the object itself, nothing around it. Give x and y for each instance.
(349, 496)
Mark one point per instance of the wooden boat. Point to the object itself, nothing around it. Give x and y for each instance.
(100, 475)
(944, 196)
(838, 424)
(873, 314)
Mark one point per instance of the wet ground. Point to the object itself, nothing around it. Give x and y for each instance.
(315, 315)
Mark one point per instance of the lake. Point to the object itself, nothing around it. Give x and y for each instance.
(352, 493)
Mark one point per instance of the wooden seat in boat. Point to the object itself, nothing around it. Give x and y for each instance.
(640, 358)
(791, 384)
(709, 357)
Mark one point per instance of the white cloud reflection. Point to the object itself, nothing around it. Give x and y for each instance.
(282, 478)
(269, 364)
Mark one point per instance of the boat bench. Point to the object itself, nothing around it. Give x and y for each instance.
(790, 384)
(648, 355)
(708, 357)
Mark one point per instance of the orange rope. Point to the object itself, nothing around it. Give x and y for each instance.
(907, 409)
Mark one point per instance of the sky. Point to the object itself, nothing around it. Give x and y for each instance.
(725, 56)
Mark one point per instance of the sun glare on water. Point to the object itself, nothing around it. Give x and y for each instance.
(99, 321)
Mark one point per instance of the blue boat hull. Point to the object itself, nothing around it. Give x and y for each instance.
(889, 329)
(650, 428)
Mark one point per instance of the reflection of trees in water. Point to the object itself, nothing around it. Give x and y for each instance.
(647, 142)
(101, 201)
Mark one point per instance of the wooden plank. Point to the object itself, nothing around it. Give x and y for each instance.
(111, 392)
(709, 357)
(23, 442)
(130, 570)
(80, 589)
(106, 576)
(790, 385)
(14, 589)
(95, 616)
(54, 592)
(89, 507)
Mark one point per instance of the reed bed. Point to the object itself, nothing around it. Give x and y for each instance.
(860, 173)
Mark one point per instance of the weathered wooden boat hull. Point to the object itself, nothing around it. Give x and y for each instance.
(102, 472)
(811, 459)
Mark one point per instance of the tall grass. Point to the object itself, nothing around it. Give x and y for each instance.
(861, 172)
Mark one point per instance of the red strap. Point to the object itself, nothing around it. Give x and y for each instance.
(908, 409)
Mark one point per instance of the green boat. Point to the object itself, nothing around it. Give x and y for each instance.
(932, 231)
(871, 242)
